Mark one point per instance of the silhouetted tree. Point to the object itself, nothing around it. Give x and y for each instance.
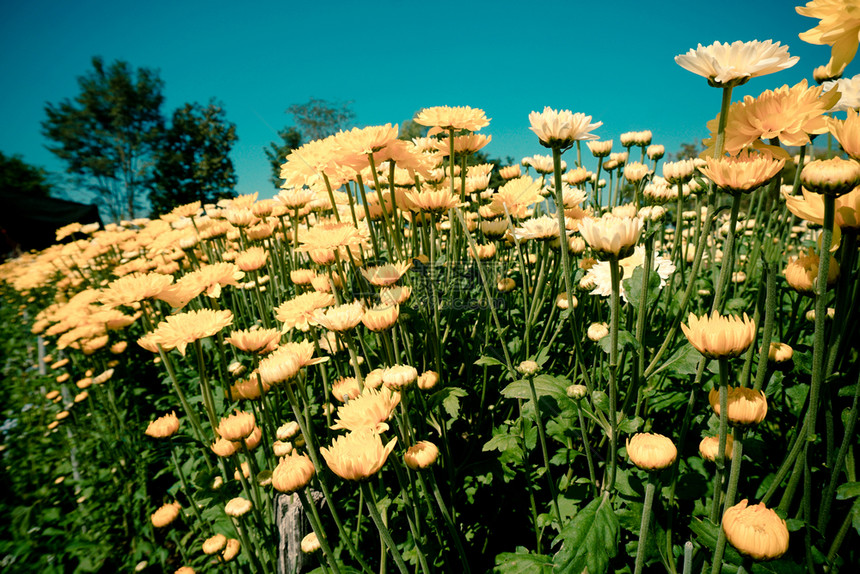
(193, 161)
(108, 133)
(20, 178)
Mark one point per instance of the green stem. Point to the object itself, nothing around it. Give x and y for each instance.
(316, 525)
(380, 526)
(615, 273)
(650, 489)
(728, 256)
(721, 449)
(737, 455)
(542, 436)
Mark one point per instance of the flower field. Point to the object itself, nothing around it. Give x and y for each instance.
(593, 360)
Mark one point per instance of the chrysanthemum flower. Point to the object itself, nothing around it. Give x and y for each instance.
(801, 273)
(542, 228)
(734, 64)
(510, 172)
(421, 455)
(710, 446)
(789, 114)
(330, 236)
(252, 259)
(717, 336)
(368, 410)
(165, 515)
(600, 148)
(651, 451)
(742, 173)
(231, 550)
(357, 455)
(745, 406)
(237, 426)
(756, 531)
(399, 377)
(179, 330)
(214, 544)
(164, 426)
(542, 164)
(432, 201)
(237, 507)
(258, 341)
(298, 313)
(293, 472)
(134, 288)
(280, 366)
(611, 236)
(834, 176)
(345, 389)
(340, 318)
(560, 129)
(310, 543)
(838, 27)
(386, 275)
(457, 118)
(810, 207)
(847, 132)
(380, 317)
(516, 195)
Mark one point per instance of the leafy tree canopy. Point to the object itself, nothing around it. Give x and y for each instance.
(193, 161)
(20, 178)
(107, 134)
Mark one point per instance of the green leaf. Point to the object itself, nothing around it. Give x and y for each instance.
(487, 361)
(451, 402)
(684, 361)
(707, 533)
(590, 540)
(630, 425)
(601, 401)
(545, 386)
(625, 339)
(633, 287)
(501, 442)
(522, 562)
(848, 490)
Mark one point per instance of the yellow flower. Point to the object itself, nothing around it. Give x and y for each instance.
(742, 173)
(510, 172)
(462, 144)
(421, 455)
(279, 366)
(745, 406)
(310, 543)
(209, 279)
(260, 341)
(386, 275)
(457, 118)
(651, 451)
(542, 228)
(710, 446)
(789, 114)
(357, 455)
(184, 328)
(330, 236)
(847, 132)
(252, 259)
(363, 141)
(779, 352)
(756, 531)
(734, 64)
(340, 318)
(231, 550)
(433, 201)
(597, 331)
(368, 410)
(635, 171)
(345, 388)
(801, 273)
(237, 426)
(838, 27)
(834, 176)
(720, 336)
(214, 544)
(381, 317)
(293, 472)
(164, 426)
(165, 515)
(135, 287)
(399, 377)
(516, 195)
(560, 129)
(680, 171)
(611, 236)
(600, 148)
(237, 507)
(298, 313)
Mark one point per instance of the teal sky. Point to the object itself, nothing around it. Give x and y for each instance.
(611, 60)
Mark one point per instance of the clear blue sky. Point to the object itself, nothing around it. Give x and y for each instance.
(612, 60)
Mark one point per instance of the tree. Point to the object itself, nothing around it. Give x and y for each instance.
(108, 133)
(192, 162)
(291, 138)
(20, 178)
(314, 119)
(687, 151)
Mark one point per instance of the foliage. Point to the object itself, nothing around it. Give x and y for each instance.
(19, 177)
(193, 159)
(108, 133)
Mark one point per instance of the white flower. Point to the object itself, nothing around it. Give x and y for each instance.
(611, 235)
(734, 64)
(849, 91)
(561, 128)
(602, 278)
